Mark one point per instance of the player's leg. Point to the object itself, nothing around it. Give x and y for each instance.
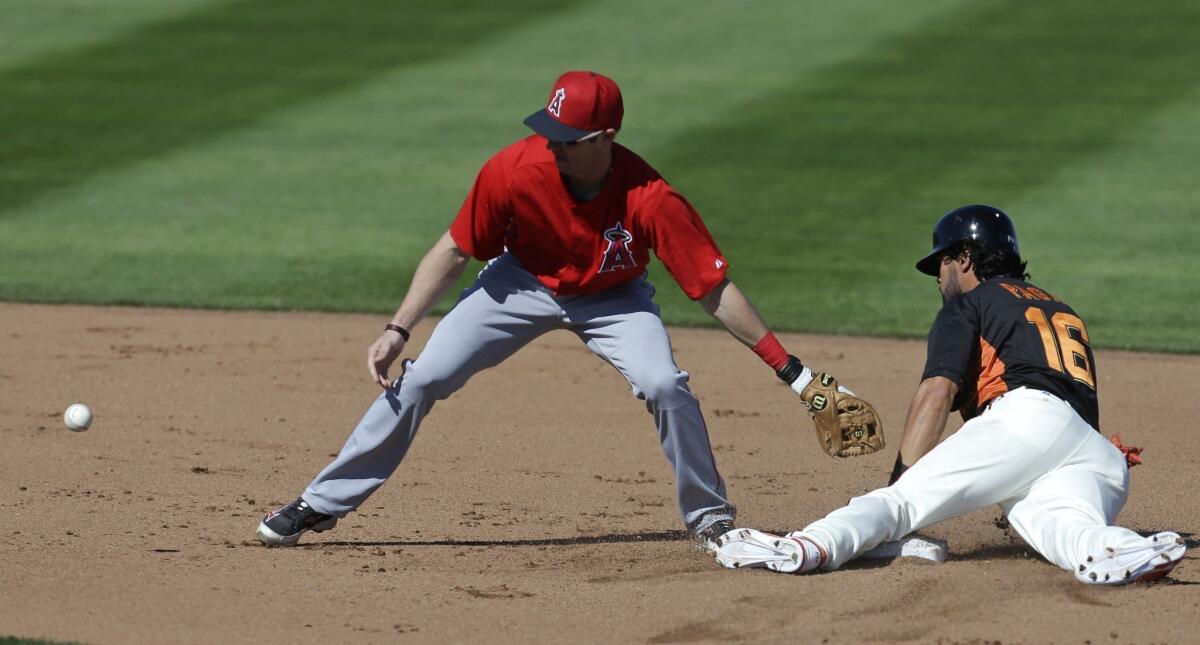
(992, 458)
(623, 327)
(974, 468)
(504, 310)
(1067, 515)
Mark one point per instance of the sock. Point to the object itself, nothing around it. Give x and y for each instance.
(814, 554)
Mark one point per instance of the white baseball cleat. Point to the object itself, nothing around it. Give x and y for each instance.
(748, 548)
(1147, 562)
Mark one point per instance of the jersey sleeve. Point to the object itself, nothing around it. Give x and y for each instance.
(685, 247)
(482, 222)
(952, 340)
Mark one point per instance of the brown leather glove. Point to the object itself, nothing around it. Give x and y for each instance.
(847, 426)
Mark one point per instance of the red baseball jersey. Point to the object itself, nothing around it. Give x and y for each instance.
(520, 202)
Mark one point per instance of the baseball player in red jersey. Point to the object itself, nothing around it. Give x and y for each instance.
(566, 219)
(1018, 363)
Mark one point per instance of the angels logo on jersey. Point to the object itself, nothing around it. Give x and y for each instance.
(555, 106)
(617, 255)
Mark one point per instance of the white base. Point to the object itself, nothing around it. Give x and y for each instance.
(911, 547)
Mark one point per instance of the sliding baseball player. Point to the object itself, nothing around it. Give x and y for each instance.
(1017, 362)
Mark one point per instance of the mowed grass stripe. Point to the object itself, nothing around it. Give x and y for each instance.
(34, 28)
(330, 205)
(807, 200)
(1137, 268)
(225, 66)
(840, 176)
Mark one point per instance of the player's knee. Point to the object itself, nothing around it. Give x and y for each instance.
(664, 389)
(887, 502)
(421, 385)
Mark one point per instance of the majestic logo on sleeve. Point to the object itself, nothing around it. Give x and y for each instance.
(617, 255)
(555, 106)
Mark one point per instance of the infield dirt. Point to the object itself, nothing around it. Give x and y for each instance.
(535, 505)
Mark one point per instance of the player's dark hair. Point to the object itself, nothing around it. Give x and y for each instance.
(990, 263)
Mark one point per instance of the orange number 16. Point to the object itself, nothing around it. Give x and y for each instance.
(1065, 340)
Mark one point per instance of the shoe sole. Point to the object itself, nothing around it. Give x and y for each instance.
(748, 548)
(1148, 562)
(271, 538)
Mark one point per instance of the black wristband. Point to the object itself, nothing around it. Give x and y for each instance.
(897, 470)
(398, 329)
(790, 372)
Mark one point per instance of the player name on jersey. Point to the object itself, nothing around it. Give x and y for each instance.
(1042, 344)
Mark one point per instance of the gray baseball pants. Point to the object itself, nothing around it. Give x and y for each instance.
(504, 310)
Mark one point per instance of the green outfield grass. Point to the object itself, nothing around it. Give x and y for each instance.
(304, 154)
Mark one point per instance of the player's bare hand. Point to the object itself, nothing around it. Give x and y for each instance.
(381, 354)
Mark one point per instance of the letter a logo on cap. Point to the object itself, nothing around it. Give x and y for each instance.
(555, 106)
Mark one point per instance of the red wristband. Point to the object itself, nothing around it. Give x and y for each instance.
(771, 352)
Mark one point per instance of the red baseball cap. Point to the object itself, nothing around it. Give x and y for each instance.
(580, 103)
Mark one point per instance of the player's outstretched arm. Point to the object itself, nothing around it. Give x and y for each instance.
(438, 270)
(846, 425)
(730, 307)
(926, 421)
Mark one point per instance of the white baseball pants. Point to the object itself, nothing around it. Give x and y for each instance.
(1060, 482)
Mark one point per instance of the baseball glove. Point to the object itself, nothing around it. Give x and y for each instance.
(847, 426)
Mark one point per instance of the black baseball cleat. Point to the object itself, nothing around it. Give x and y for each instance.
(283, 527)
(706, 538)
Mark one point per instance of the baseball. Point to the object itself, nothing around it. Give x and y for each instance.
(78, 417)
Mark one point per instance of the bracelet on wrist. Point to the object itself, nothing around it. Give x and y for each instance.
(398, 329)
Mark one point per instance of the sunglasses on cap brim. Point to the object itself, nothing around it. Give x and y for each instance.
(586, 137)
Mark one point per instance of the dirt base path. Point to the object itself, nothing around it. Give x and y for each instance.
(535, 505)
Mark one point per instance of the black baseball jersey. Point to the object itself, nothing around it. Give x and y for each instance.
(1005, 334)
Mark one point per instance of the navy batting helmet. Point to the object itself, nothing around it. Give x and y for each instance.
(987, 225)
